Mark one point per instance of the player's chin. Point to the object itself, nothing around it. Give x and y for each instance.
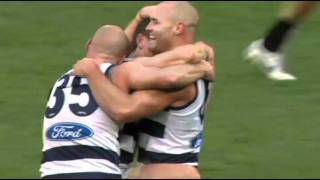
(152, 43)
(152, 46)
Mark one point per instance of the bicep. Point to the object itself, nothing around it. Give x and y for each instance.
(169, 79)
(150, 102)
(140, 77)
(119, 77)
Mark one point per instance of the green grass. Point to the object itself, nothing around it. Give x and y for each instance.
(256, 128)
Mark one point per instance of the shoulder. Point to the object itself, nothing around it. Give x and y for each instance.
(185, 97)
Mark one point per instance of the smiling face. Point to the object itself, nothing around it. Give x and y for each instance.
(172, 24)
(160, 29)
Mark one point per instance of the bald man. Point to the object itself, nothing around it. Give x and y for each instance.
(171, 136)
(176, 153)
(79, 139)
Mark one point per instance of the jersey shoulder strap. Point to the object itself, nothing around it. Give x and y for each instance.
(106, 68)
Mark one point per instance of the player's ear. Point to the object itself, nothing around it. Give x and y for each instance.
(178, 29)
(88, 44)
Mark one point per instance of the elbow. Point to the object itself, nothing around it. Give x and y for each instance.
(120, 116)
(116, 113)
(123, 115)
(133, 111)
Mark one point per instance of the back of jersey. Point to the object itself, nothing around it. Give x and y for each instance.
(176, 134)
(78, 136)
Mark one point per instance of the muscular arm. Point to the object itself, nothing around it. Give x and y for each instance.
(166, 71)
(123, 107)
(139, 77)
(187, 54)
(170, 70)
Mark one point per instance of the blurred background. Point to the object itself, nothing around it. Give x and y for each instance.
(256, 128)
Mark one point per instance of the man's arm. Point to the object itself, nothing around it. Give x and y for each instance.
(187, 54)
(133, 25)
(140, 74)
(211, 58)
(120, 106)
(149, 73)
(139, 77)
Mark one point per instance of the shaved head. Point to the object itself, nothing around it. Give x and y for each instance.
(182, 12)
(110, 40)
(172, 24)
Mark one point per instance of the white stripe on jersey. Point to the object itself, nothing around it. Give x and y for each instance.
(181, 128)
(127, 143)
(79, 166)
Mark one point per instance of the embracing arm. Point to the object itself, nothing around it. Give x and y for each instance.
(124, 107)
(144, 73)
(140, 77)
(171, 70)
(186, 54)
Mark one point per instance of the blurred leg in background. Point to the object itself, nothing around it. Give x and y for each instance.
(267, 53)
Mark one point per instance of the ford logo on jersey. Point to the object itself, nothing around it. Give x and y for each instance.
(68, 132)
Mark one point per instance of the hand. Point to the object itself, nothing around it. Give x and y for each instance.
(145, 13)
(192, 53)
(209, 70)
(199, 53)
(207, 52)
(187, 54)
(84, 66)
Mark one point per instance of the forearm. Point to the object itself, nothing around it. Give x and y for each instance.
(187, 54)
(123, 107)
(187, 74)
(173, 77)
(131, 29)
(162, 60)
(110, 98)
(141, 16)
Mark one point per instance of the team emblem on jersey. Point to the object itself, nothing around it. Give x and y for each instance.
(68, 131)
(197, 141)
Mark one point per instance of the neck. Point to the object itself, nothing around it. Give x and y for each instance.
(180, 41)
(106, 58)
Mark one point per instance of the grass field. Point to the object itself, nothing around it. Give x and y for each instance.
(256, 128)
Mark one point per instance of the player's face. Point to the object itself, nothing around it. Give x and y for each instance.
(160, 31)
(142, 42)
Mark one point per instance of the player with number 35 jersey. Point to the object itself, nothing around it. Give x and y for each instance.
(79, 139)
(77, 134)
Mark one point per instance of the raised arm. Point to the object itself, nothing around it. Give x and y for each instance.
(133, 25)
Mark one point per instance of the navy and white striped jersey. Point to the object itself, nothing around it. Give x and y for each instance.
(174, 135)
(78, 137)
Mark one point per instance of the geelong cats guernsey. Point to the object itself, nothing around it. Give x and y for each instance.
(78, 137)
